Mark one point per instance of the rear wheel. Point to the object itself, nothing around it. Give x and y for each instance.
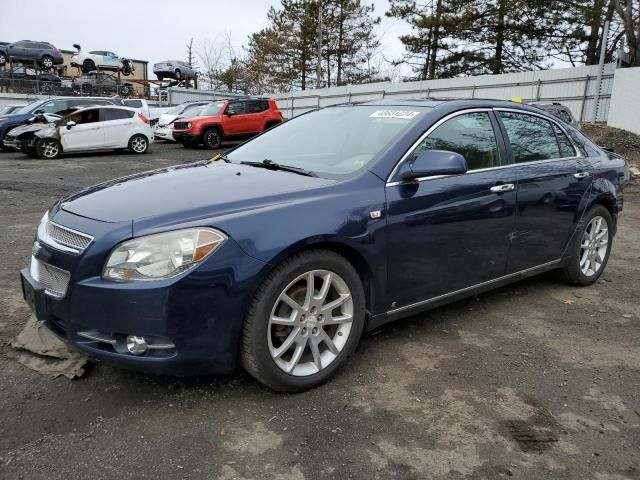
(3, 59)
(88, 65)
(126, 90)
(591, 248)
(138, 144)
(178, 74)
(48, 148)
(46, 62)
(304, 322)
(212, 138)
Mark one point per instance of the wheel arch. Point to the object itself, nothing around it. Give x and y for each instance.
(209, 126)
(357, 260)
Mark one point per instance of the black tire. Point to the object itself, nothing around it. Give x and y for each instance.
(573, 272)
(178, 74)
(138, 144)
(87, 88)
(88, 65)
(3, 59)
(46, 62)
(255, 355)
(48, 148)
(126, 90)
(212, 138)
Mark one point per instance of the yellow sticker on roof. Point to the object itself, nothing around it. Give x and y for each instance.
(401, 114)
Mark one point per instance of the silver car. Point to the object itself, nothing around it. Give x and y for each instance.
(175, 69)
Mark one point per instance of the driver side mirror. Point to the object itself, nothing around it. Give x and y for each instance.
(436, 162)
(70, 124)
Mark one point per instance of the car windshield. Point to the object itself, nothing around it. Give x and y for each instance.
(213, 108)
(333, 142)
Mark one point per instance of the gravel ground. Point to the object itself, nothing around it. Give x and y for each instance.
(535, 380)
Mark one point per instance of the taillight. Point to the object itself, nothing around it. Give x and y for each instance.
(143, 118)
(58, 51)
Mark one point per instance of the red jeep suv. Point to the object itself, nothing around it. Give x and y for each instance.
(227, 120)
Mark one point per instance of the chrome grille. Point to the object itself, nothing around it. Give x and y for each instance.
(65, 236)
(54, 279)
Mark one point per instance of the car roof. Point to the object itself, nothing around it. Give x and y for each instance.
(450, 104)
(116, 107)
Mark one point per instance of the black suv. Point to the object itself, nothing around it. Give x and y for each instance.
(28, 51)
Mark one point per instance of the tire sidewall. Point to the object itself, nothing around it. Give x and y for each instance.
(138, 136)
(574, 270)
(269, 372)
(42, 62)
(211, 145)
(41, 144)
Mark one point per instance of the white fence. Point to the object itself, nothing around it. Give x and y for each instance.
(624, 111)
(573, 87)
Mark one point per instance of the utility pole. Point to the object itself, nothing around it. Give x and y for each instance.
(319, 65)
(603, 53)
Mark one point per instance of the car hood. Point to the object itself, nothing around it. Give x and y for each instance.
(32, 127)
(166, 119)
(185, 192)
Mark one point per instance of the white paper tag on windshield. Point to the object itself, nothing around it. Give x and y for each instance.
(402, 114)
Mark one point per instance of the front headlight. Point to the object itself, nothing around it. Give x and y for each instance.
(163, 255)
(188, 125)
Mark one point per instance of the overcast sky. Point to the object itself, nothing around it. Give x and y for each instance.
(151, 30)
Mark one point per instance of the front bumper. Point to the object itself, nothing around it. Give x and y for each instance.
(12, 143)
(200, 312)
(185, 137)
(163, 133)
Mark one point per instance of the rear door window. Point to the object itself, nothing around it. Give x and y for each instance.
(566, 147)
(253, 106)
(85, 116)
(531, 138)
(107, 114)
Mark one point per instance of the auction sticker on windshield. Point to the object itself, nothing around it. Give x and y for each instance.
(402, 114)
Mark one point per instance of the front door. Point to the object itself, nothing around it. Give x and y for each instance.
(448, 233)
(237, 120)
(553, 183)
(85, 135)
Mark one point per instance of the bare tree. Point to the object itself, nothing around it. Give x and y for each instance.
(211, 56)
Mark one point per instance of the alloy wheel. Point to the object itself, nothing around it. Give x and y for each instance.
(310, 323)
(47, 62)
(594, 245)
(50, 149)
(139, 144)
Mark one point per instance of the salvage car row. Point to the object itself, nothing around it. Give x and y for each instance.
(51, 127)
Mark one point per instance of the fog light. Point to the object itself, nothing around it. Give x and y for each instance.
(136, 345)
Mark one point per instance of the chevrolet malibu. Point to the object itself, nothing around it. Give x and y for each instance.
(280, 254)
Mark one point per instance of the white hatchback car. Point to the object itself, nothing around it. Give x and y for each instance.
(93, 128)
(103, 59)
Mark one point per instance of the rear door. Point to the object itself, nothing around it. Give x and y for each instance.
(451, 232)
(116, 125)
(258, 115)
(87, 134)
(553, 181)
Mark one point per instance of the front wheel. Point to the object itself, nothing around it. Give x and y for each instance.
(304, 322)
(212, 139)
(3, 59)
(48, 148)
(88, 65)
(591, 248)
(138, 144)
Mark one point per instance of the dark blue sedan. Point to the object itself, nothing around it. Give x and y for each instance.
(279, 255)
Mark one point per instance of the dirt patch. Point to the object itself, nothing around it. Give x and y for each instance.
(623, 142)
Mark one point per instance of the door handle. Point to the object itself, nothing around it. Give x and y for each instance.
(581, 174)
(504, 187)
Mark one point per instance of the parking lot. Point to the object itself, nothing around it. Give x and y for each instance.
(534, 380)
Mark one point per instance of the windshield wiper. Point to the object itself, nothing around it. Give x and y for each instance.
(271, 165)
